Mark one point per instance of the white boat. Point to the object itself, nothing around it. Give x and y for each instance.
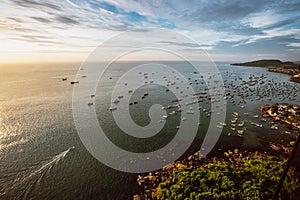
(72, 148)
(259, 125)
(274, 127)
(173, 113)
(164, 117)
(112, 108)
(190, 112)
(240, 131)
(242, 123)
(223, 124)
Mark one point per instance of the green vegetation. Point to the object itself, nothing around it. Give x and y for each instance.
(245, 178)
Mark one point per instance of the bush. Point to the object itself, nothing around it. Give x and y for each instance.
(253, 178)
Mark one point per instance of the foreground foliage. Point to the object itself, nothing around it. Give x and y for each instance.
(245, 178)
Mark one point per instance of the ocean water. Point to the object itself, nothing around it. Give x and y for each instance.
(37, 128)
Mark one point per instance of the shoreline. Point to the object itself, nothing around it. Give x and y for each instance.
(276, 66)
(149, 183)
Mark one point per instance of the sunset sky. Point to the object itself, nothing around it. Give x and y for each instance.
(68, 30)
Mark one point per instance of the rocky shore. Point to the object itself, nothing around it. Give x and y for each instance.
(283, 112)
(149, 183)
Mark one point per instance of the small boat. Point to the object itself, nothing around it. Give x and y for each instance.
(112, 108)
(164, 117)
(173, 113)
(242, 123)
(74, 82)
(72, 148)
(116, 101)
(263, 120)
(190, 112)
(256, 116)
(274, 127)
(223, 124)
(240, 131)
(259, 125)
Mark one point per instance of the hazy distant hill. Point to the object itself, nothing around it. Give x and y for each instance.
(267, 63)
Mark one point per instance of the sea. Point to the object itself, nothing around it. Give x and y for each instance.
(42, 155)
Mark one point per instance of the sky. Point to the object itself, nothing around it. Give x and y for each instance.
(69, 30)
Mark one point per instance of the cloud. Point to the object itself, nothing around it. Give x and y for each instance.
(182, 44)
(66, 20)
(41, 19)
(216, 25)
(36, 4)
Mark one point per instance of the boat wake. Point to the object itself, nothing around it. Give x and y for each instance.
(29, 178)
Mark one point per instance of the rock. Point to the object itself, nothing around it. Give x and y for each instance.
(136, 197)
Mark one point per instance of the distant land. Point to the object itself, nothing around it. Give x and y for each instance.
(268, 63)
(277, 66)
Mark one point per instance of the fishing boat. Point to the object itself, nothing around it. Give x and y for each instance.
(112, 108)
(164, 117)
(274, 127)
(242, 123)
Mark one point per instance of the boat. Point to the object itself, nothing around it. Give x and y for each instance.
(242, 123)
(164, 117)
(274, 127)
(223, 124)
(116, 101)
(112, 108)
(190, 112)
(173, 113)
(72, 148)
(259, 125)
(240, 131)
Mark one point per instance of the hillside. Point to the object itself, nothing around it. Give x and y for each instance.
(267, 63)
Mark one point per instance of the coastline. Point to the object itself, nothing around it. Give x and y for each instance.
(276, 66)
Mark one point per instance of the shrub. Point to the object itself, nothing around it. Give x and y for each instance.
(253, 178)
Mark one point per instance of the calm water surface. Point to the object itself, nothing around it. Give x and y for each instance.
(37, 129)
